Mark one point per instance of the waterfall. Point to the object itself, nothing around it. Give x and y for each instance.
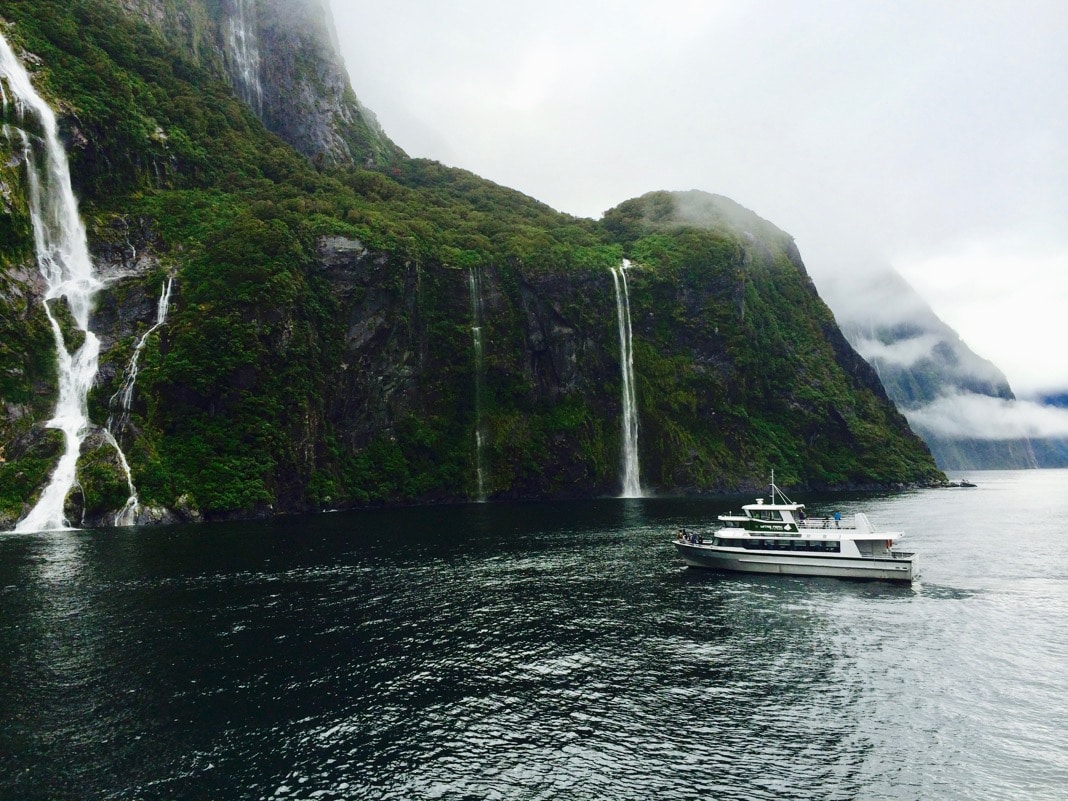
(474, 281)
(124, 395)
(629, 466)
(63, 259)
(244, 50)
(127, 516)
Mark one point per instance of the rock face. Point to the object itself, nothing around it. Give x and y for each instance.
(307, 99)
(282, 59)
(376, 382)
(394, 417)
(340, 337)
(408, 369)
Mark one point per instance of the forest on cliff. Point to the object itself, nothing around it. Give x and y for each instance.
(320, 347)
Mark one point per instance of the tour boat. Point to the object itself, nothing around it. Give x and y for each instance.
(777, 537)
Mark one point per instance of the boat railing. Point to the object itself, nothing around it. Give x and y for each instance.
(826, 523)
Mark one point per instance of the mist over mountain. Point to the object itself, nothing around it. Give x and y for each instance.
(293, 315)
(282, 59)
(959, 402)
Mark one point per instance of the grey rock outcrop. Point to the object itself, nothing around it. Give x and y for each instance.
(282, 59)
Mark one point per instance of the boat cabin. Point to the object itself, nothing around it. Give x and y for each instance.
(767, 517)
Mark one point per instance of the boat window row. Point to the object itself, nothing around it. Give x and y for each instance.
(767, 514)
(817, 546)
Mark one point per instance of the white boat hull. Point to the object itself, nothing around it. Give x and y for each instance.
(888, 568)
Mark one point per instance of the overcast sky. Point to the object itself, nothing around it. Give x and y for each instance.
(931, 137)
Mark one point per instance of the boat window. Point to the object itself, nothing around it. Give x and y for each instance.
(810, 546)
(767, 514)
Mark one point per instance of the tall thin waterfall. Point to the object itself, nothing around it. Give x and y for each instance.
(244, 50)
(63, 259)
(474, 280)
(632, 487)
(123, 398)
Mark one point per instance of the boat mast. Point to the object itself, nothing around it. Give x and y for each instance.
(775, 491)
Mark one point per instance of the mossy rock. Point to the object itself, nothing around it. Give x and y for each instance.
(28, 462)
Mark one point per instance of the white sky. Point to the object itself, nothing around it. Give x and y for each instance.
(928, 136)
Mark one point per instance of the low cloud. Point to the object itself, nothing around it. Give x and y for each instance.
(903, 353)
(871, 297)
(970, 416)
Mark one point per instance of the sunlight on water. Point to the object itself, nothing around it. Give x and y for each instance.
(537, 651)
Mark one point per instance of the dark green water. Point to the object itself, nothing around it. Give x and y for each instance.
(537, 651)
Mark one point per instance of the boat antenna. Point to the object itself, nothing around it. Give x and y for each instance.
(776, 491)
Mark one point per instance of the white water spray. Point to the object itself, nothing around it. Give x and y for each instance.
(244, 49)
(124, 395)
(127, 516)
(474, 280)
(63, 259)
(631, 470)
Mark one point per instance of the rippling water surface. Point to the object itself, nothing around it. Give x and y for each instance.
(538, 651)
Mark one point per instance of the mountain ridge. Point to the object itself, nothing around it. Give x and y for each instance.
(932, 376)
(318, 349)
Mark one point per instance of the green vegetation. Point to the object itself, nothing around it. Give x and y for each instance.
(761, 378)
(24, 471)
(290, 376)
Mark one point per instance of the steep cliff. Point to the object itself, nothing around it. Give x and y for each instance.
(320, 345)
(283, 60)
(772, 371)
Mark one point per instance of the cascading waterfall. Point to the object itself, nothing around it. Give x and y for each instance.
(123, 398)
(474, 280)
(244, 48)
(63, 259)
(632, 487)
(127, 515)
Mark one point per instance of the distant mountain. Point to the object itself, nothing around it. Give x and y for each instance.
(1060, 400)
(959, 402)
